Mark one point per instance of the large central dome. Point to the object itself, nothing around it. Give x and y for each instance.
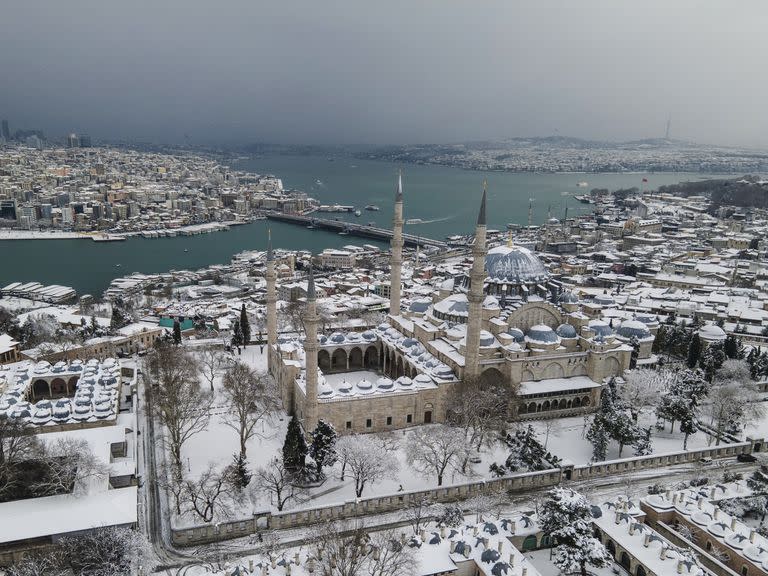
(515, 265)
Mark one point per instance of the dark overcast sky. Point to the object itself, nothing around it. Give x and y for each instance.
(391, 71)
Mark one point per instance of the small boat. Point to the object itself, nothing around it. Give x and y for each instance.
(118, 265)
(358, 213)
(372, 208)
(343, 233)
(186, 249)
(414, 221)
(582, 184)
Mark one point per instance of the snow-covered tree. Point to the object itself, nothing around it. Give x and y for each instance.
(597, 435)
(526, 452)
(641, 389)
(323, 447)
(239, 475)
(758, 483)
(682, 400)
(712, 359)
(295, 449)
(251, 398)
(432, 450)
(205, 496)
(734, 400)
(245, 326)
(565, 518)
(367, 460)
(643, 444)
(694, 352)
(176, 332)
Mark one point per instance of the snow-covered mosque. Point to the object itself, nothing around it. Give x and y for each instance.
(494, 325)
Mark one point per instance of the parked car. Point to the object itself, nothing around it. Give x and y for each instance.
(746, 458)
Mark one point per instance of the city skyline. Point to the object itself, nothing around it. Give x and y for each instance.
(349, 74)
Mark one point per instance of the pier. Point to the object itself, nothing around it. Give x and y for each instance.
(353, 229)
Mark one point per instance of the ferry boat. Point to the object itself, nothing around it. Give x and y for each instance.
(372, 208)
(414, 221)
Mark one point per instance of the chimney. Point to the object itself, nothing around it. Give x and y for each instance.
(674, 499)
(500, 546)
(700, 503)
(453, 546)
(647, 540)
(513, 526)
(663, 553)
(474, 531)
(376, 553)
(310, 565)
(250, 565)
(443, 531)
(466, 550)
(631, 528)
(617, 518)
(752, 536)
(423, 535)
(733, 524)
(273, 561)
(679, 566)
(264, 570)
(288, 569)
(511, 558)
(712, 492)
(296, 558)
(669, 495)
(717, 513)
(525, 571)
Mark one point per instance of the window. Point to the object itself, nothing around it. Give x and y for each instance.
(409, 418)
(744, 570)
(349, 424)
(368, 423)
(389, 420)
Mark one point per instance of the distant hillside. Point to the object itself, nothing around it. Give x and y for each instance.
(747, 192)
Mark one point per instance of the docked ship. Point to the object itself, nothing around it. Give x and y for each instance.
(108, 238)
(372, 208)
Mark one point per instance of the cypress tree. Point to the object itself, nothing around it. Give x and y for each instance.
(245, 326)
(237, 334)
(323, 448)
(176, 332)
(294, 448)
(694, 352)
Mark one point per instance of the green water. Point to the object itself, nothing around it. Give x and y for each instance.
(445, 198)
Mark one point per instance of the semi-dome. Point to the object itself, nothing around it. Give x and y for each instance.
(566, 331)
(420, 306)
(712, 333)
(514, 264)
(541, 333)
(517, 334)
(633, 328)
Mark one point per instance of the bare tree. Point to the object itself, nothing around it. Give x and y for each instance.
(275, 480)
(204, 495)
(642, 389)
(733, 399)
(252, 397)
(292, 315)
(170, 479)
(211, 361)
(338, 552)
(433, 450)
(178, 400)
(69, 465)
(390, 556)
(418, 513)
(17, 444)
(367, 460)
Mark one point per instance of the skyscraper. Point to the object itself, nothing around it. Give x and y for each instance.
(73, 141)
(5, 131)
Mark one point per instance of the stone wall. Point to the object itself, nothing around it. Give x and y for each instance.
(190, 536)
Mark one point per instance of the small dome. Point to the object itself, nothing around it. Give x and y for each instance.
(369, 335)
(600, 328)
(325, 389)
(712, 333)
(447, 284)
(353, 337)
(541, 333)
(423, 378)
(647, 319)
(633, 328)
(365, 384)
(345, 387)
(566, 331)
(420, 306)
(384, 383)
(337, 338)
(486, 339)
(408, 342)
(516, 334)
(384, 327)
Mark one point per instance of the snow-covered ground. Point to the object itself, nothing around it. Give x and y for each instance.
(39, 235)
(566, 439)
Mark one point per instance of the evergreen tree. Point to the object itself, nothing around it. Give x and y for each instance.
(731, 347)
(566, 519)
(598, 437)
(245, 326)
(323, 447)
(660, 342)
(635, 352)
(689, 424)
(295, 448)
(711, 360)
(643, 445)
(237, 334)
(758, 483)
(526, 452)
(694, 351)
(176, 332)
(239, 474)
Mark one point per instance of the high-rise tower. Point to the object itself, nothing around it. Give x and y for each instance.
(311, 321)
(271, 305)
(476, 296)
(396, 261)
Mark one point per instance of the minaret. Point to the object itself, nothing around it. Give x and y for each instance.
(311, 320)
(271, 304)
(476, 297)
(396, 261)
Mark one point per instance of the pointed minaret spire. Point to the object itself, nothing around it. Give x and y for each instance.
(399, 194)
(396, 256)
(311, 283)
(481, 214)
(270, 254)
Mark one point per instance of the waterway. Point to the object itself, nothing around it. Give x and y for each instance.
(446, 199)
